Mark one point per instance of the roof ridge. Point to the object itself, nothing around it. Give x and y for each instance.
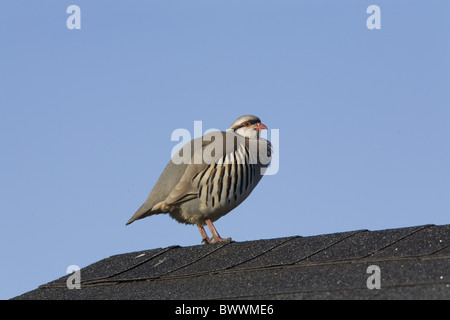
(100, 279)
(353, 233)
(251, 269)
(320, 266)
(264, 252)
(223, 244)
(418, 228)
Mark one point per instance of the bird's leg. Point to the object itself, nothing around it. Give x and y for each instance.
(215, 235)
(205, 238)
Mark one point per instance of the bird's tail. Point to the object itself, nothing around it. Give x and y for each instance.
(145, 211)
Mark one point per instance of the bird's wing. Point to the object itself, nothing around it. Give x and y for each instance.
(171, 184)
(176, 183)
(214, 148)
(220, 149)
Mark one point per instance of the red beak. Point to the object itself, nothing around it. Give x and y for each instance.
(260, 126)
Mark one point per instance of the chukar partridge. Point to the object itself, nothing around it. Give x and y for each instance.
(221, 170)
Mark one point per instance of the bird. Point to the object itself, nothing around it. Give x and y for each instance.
(222, 169)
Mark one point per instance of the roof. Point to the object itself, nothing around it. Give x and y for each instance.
(413, 263)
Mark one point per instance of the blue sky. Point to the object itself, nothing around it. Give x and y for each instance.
(86, 118)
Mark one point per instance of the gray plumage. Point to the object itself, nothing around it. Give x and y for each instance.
(222, 170)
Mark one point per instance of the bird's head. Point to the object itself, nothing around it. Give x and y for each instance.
(248, 126)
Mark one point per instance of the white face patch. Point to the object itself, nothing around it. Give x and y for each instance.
(247, 132)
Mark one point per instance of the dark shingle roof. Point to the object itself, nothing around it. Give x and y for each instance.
(414, 264)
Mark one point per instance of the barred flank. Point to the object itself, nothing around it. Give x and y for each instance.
(227, 181)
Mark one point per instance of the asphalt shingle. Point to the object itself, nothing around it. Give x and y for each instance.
(414, 263)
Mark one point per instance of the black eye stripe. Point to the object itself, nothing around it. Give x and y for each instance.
(251, 122)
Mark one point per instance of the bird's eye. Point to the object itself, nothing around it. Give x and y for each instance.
(246, 123)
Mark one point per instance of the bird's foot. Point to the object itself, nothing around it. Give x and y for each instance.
(208, 240)
(219, 239)
(215, 236)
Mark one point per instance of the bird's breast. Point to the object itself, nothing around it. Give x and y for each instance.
(227, 182)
